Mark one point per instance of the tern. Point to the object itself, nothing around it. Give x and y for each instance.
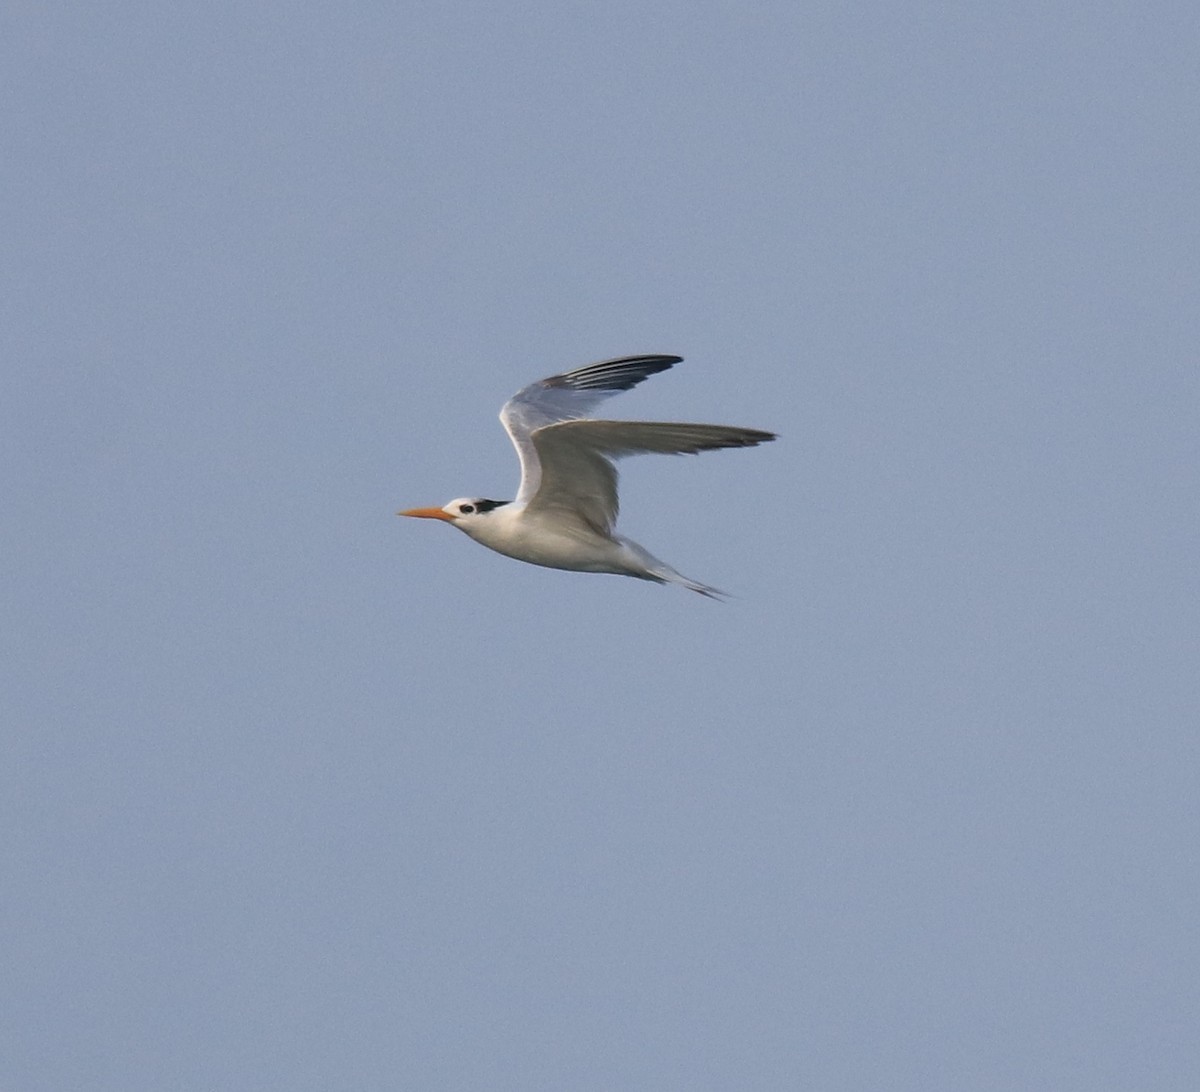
(565, 511)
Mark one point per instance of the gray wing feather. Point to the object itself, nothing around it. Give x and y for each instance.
(577, 472)
(567, 397)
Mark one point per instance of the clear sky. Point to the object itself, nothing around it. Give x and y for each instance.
(297, 794)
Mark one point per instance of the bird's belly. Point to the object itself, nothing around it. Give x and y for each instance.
(553, 548)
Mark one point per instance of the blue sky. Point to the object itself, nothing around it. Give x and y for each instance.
(298, 794)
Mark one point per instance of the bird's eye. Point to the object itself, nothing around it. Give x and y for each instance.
(466, 509)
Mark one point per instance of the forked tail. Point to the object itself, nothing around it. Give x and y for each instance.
(649, 567)
(670, 576)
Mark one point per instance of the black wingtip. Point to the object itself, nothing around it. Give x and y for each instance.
(619, 374)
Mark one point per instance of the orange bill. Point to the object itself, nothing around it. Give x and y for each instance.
(427, 513)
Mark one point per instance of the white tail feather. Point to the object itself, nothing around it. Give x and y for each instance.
(649, 567)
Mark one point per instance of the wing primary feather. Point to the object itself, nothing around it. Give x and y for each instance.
(578, 478)
(615, 439)
(566, 397)
(622, 374)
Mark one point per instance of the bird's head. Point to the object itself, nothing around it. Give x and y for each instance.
(466, 513)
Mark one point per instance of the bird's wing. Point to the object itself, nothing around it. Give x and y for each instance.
(567, 397)
(578, 478)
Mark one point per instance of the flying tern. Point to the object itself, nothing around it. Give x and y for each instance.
(565, 512)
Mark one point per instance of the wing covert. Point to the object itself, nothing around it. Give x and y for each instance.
(567, 397)
(576, 459)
